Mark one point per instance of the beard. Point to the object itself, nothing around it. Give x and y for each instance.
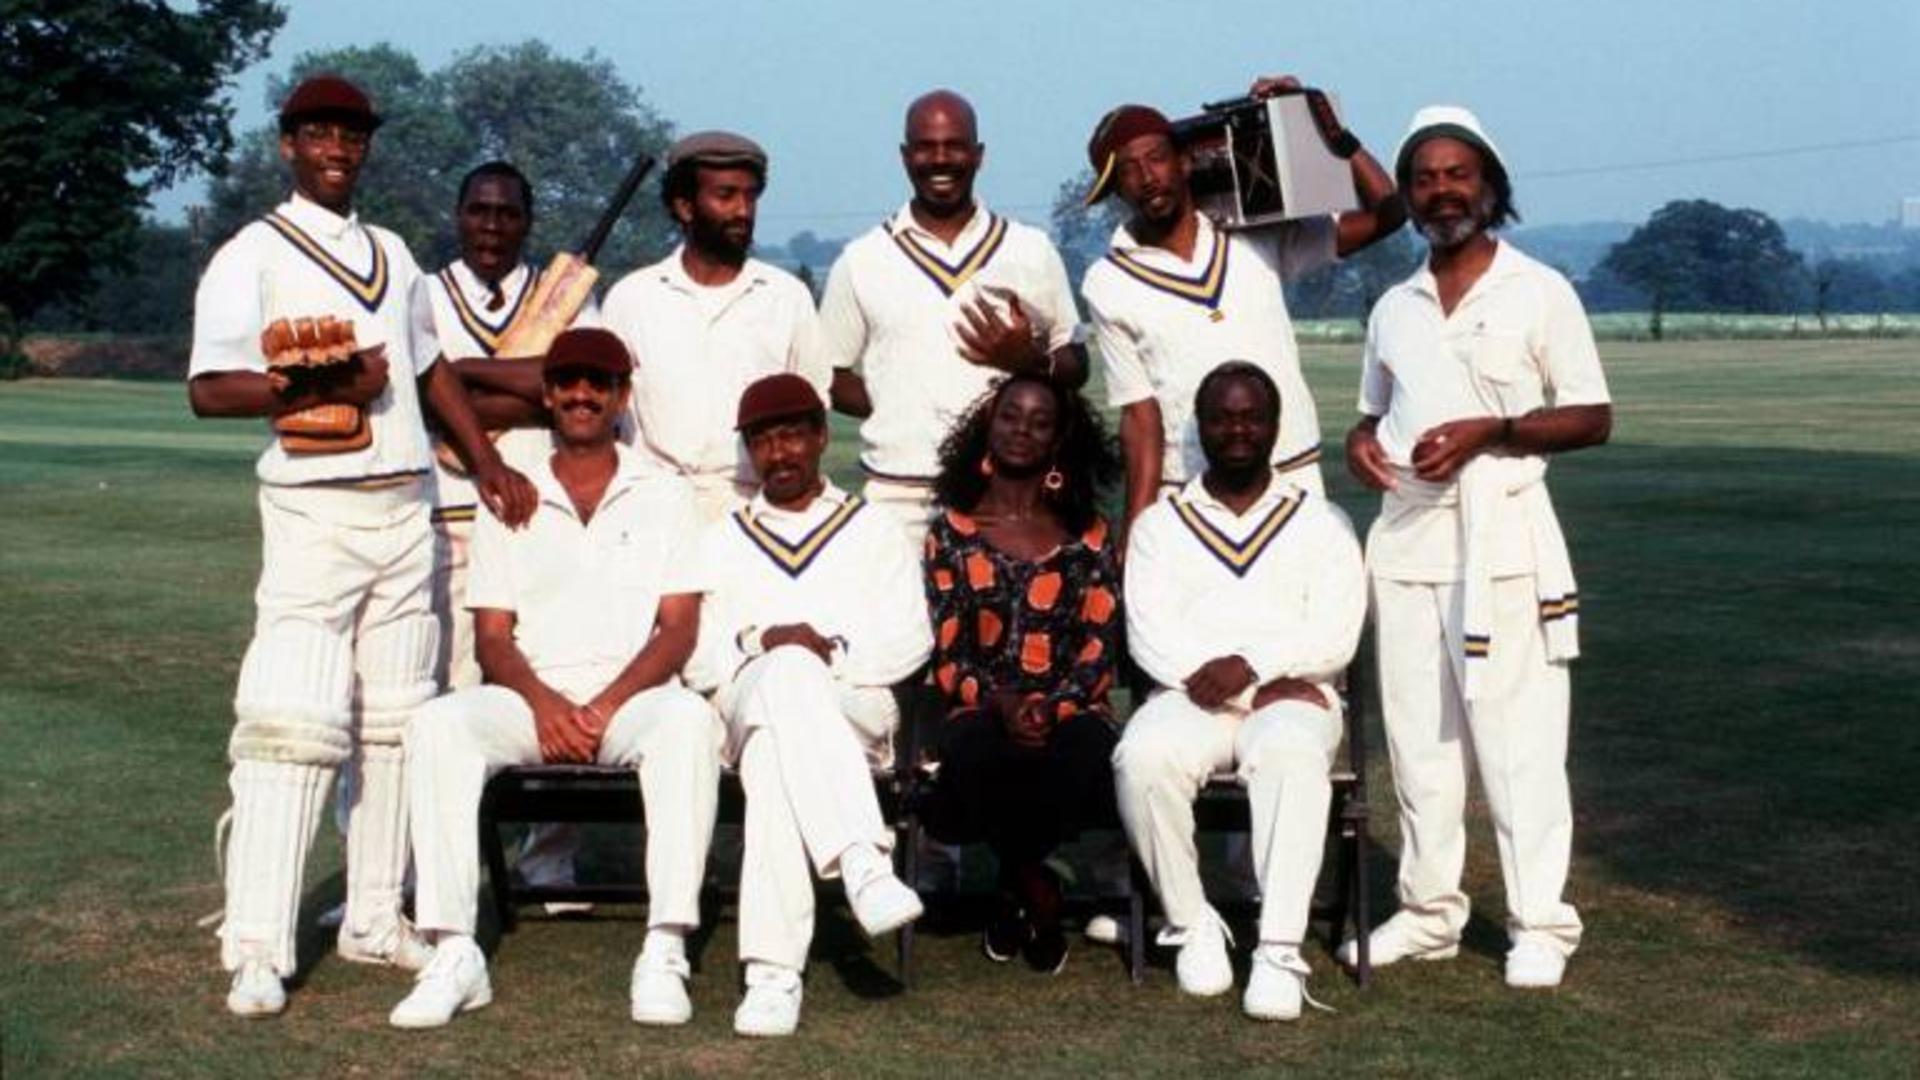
(714, 238)
(1449, 233)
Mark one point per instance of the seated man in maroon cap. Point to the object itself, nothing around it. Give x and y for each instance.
(319, 322)
(582, 621)
(815, 612)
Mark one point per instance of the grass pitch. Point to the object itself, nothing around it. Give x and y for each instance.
(1744, 756)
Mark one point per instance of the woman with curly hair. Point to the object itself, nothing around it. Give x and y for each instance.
(1023, 587)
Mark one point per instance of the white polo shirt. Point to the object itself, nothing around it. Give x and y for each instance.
(585, 596)
(467, 328)
(840, 565)
(696, 348)
(1281, 586)
(893, 300)
(1517, 341)
(1162, 323)
(304, 261)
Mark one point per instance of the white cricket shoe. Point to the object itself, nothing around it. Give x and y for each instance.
(658, 990)
(1106, 930)
(881, 902)
(256, 990)
(454, 981)
(1277, 983)
(1395, 940)
(1534, 965)
(391, 942)
(771, 1008)
(1203, 966)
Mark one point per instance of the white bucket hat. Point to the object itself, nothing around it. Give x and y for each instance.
(1444, 121)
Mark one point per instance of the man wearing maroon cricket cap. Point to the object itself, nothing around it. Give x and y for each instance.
(345, 636)
(816, 611)
(582, 622)
(1175, 297)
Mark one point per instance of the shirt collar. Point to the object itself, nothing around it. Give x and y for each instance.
(831, 498)
(1195, 494)
(628, 472)
(1124, 240)
(476, 290)
(316, 220)
(903, 221)
(673, 273)
(1506, 263)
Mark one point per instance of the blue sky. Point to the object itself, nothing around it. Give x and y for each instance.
(1573, 92)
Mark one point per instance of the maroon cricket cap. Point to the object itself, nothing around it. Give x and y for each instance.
(777, 397)
(1115, 130)
(328, 97)
(587, 349)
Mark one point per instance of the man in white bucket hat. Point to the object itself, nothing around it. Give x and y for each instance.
(1476, 368)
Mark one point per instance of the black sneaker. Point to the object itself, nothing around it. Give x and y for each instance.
(1006, 934)
(1046, 951)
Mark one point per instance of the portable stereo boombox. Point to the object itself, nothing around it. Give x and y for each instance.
(1264, 161)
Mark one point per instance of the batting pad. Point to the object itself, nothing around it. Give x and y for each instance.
(377, 839)
(395, 667)
(296, 684)
(276, 808)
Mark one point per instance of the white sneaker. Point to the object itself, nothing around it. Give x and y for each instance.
(256, 990)
(1276, 984)
(772, 1006)
(1203, 966)
(392, 942)
(1533, 965)
(1106, 930)
(1395, 940)
(881, 902)
(658, 990)
(454, 981)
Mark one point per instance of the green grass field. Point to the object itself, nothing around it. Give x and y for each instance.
(1745, 755)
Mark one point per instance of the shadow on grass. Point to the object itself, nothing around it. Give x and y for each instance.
(1744, 724)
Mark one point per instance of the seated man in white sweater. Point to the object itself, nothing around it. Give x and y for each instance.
(1245, 597)
(582, 622)
(816, 611)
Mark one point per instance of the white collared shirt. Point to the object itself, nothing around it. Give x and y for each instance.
(840, 565)
(696, 348)
(1162, 323)
(1281, 586)
(467, 329)
(318, 263)
(585, 596)
(1517, 341)
(893, 300)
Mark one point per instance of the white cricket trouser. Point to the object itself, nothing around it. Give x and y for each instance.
(457, 667)
(1283, 753)
(1517, 738)
(910, 504)
(668, 733)
(806, 745)
(341, 656)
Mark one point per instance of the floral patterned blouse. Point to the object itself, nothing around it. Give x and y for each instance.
(1047, 628)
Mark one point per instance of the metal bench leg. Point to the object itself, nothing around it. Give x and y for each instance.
(1362, 919)
(903, 944)
(1137, 922)
(495, 856)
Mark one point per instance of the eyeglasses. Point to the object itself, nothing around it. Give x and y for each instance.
(343, 134)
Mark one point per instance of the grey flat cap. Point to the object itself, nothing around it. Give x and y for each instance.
(717, 148)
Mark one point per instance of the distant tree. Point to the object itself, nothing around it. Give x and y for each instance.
(1850, 286)
(102, 103)
(1082, 233)
(152, 294)
(572, 125)
(1696, 255)
(810, 250)
(805, 274)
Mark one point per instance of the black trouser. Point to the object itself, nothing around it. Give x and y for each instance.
(1021, 801)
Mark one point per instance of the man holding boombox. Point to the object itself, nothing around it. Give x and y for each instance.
(300, 318)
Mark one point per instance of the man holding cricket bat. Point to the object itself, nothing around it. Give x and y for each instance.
(708, 321)
(299, 319)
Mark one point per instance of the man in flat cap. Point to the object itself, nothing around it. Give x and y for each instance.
(1176, 297)
(300, 318)
(1477, 367)
(708, 320)
(816, 611)
(925, 310)
(582, 621)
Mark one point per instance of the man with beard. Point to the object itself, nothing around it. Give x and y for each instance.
(708, 320)
(923, 311)
(583, 620)
(1245, 599)
(1175, 296)
(1476, 368)
(816, 612)
(344, 638)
